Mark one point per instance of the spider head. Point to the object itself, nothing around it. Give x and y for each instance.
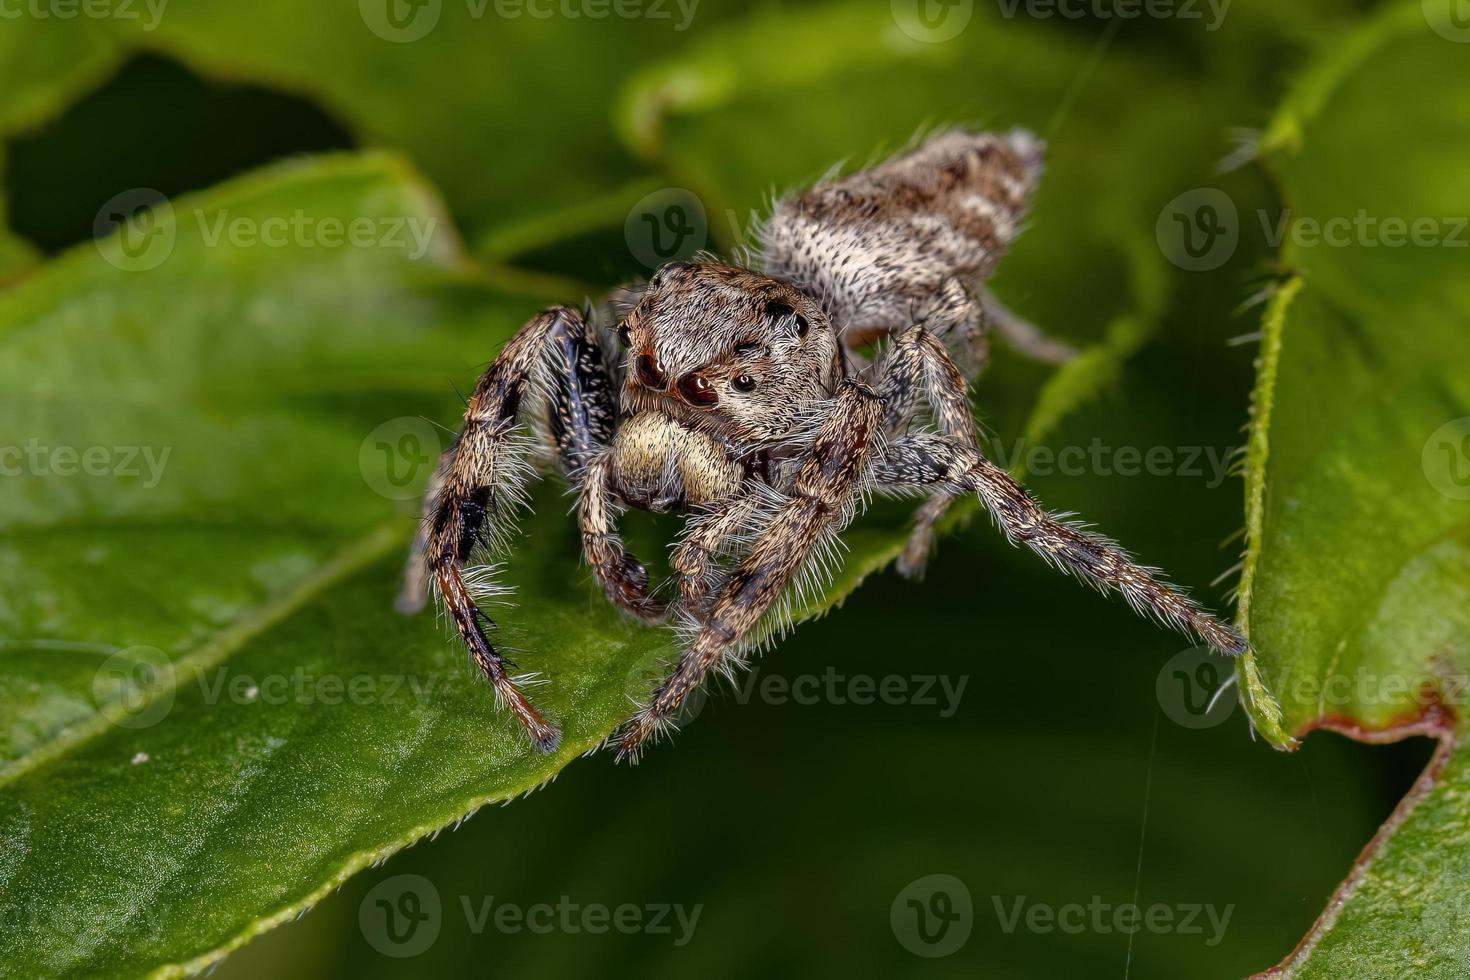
(729, 351)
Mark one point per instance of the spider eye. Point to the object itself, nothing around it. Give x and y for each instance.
(744, 383)
(624, 336)
(779, 311)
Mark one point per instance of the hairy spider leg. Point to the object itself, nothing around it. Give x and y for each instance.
(930, 461)
(555, 362)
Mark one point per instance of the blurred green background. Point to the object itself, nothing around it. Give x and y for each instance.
(1063, 774)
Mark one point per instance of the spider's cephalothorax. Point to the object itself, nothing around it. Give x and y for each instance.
(741, 397)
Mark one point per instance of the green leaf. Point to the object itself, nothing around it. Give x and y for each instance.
(447, 86)
(42, 64)
(1357, 582)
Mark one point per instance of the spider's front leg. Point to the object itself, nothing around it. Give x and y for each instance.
(935, 462)
(823, 499)
(481, 480)
(697, 555)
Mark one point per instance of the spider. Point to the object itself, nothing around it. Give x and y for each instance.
(744, 398)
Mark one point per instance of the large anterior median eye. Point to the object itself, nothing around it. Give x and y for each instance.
(697, 391)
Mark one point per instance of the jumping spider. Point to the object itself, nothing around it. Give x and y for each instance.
(744, 399)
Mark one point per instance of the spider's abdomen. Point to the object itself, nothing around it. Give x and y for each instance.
(879, 245)
(662, 465)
